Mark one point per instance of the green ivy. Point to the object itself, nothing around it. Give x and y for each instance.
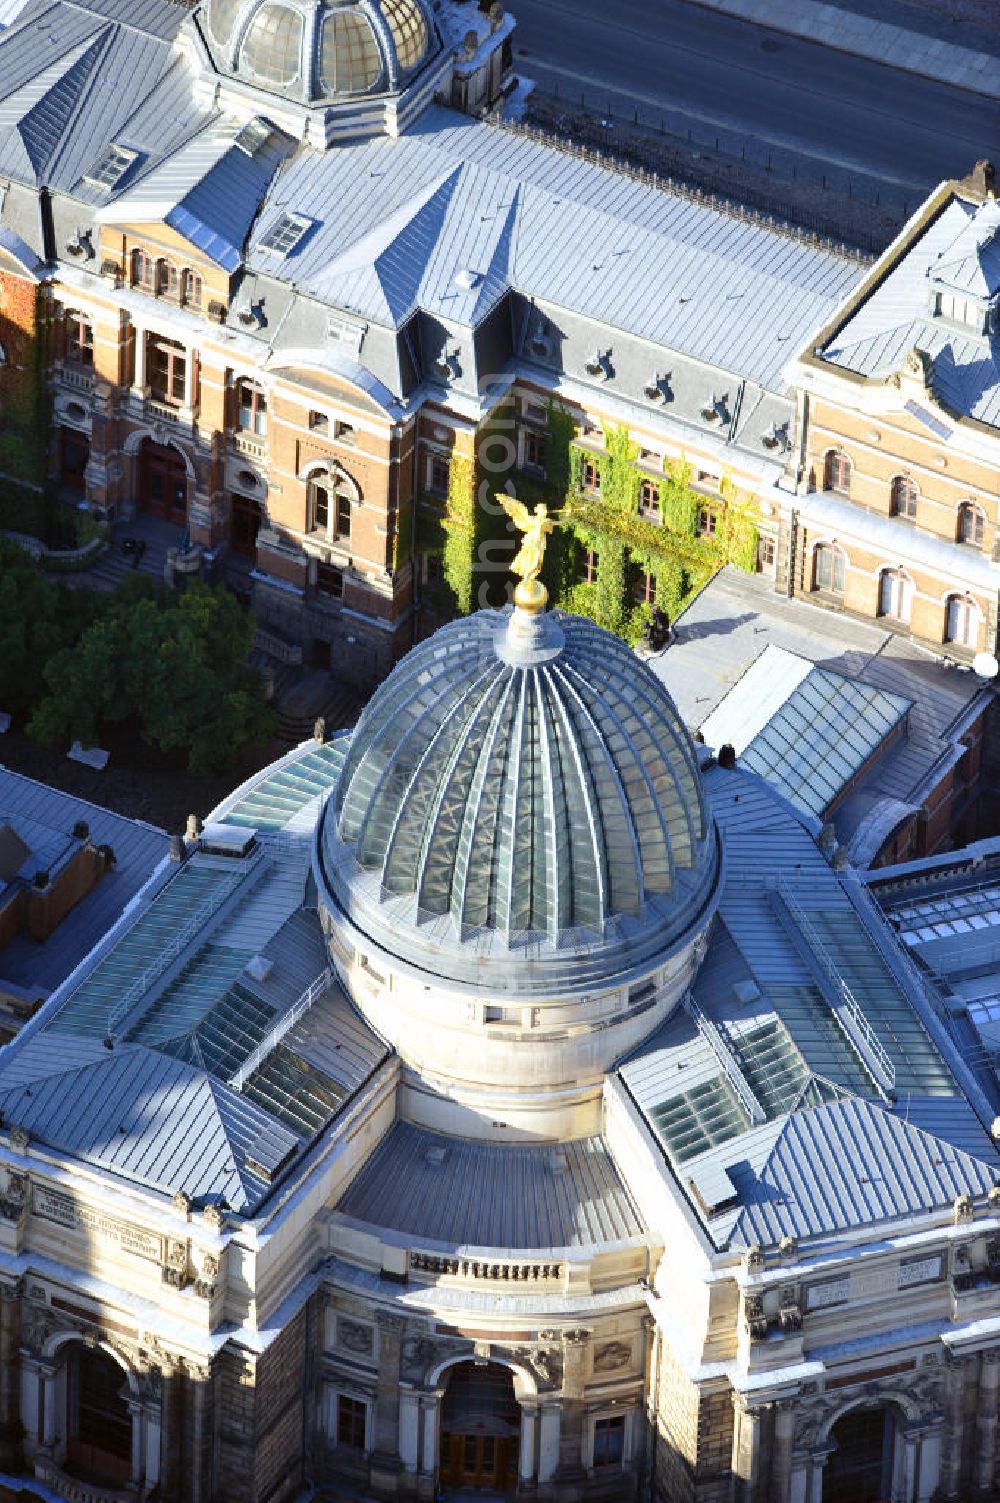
(679, 561)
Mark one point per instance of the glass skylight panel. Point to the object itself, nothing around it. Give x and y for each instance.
(111, 166)
(253, 136)
(285, 234)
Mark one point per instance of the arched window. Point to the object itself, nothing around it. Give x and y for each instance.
(166, 279)
(191, 288)
(970, 524)
(895, 594)
(98, 1422)
(329, 498)
(962, 618)
(903, 502)
(143, 270)
(251, 408)
(837, 472)
(829, 567)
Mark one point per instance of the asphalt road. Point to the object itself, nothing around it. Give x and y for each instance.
(688, 69)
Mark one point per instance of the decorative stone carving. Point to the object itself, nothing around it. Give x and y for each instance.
(182, 1202)
(212, 1217)
(355, 1337)
(962, 1209)
(754, 1258)
(15, 1196)
(753, 1310)
(19, 1137)
(546, 1362)
(420, 1353)
(175, 1266)
(204, 1284)
(790, 1309)
(578, 1336)
(612, 1355)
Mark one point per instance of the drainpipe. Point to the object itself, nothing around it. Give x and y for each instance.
(793, 538)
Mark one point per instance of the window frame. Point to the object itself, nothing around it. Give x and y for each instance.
(352, 1413)
(650, 508)
(609, 1443)
(904, 497)
(590, 474)
(900, 594)
(587, 564)
(838, 568)
(837, 467)
(256, 408)
(329, 506)
(435, 462)
(965, 511)
(79, 341)
(971, 616)
(707, 522)
(177, 357)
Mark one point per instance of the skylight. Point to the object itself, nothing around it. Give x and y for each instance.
(254, 136)
(111, 166)
(285, 234)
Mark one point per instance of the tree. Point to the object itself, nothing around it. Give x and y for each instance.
(175, 665)
(38, 618)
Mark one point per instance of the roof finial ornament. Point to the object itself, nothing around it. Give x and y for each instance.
(530, 595)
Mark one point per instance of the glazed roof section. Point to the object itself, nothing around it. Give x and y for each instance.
(808, 731)
(730, 624)
(453, 1193)
(204, 1042)
(961, 247)
(43, 818)
(804, 1019)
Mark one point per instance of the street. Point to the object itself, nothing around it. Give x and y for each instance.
(702, 75)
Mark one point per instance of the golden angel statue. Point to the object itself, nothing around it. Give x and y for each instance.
(536, 526)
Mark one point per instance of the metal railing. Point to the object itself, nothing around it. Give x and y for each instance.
(844, 1004)
(285, 1022)
(179, 940)
(730, 1068)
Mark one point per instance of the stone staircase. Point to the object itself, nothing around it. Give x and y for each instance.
(299, 704)
(114, 564)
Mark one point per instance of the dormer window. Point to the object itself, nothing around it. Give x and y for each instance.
(970, 312)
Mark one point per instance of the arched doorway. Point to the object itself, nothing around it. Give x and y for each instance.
(244, 524)
(480, 1428)
(162, 481)
(98, 1422)
(860, 1469)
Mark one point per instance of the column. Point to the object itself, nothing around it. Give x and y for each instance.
(190, 358)
(906, 1471)
(747, 1450)
(548, 1441)
(31, 1400)
(139, 380)
(136, 1415)
(10, 1379)
(409, 1428)
(431, 1410)
(199, 1378)
(781, 1467)
(385, 1462)
(986, 1420)
(48, 1375)
(170, 1432)
(954, 1418)
(526, 1457)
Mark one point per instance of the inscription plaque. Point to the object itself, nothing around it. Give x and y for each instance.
(53, 1205)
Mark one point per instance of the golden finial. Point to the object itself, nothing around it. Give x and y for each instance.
(530, 595)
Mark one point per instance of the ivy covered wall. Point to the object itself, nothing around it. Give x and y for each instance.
(474, 542)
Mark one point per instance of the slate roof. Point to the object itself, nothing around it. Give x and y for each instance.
(960, 249)
(452, 1192)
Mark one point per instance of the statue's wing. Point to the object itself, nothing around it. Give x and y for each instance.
(516, 510)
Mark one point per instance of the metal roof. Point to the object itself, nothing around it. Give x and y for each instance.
(838, 1167)
(737, 616)
(203, 1042)
(459, 1193)
(44, 818)
(808, 731)
(803, 1001)
(958, 250)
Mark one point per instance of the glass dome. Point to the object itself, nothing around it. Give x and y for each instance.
(536, 795)
(316, 51)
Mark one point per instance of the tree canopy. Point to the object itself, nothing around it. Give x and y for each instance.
(173, 665)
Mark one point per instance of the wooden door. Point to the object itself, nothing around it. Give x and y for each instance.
(162, 482)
